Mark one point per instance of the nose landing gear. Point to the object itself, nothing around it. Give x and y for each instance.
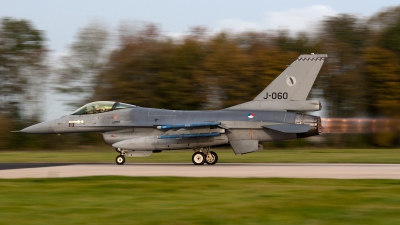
(120, 160)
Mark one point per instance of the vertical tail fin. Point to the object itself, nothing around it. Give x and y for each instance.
(296, 81)
(290, 89)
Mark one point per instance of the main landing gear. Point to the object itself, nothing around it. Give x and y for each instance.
(200, 157)
(120, 160)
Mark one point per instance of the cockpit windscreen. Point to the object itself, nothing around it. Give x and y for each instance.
(100, 107)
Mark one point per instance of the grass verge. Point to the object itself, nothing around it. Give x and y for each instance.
(225, 156)
(166, 200)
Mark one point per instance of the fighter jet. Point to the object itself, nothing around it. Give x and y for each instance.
(277, 113)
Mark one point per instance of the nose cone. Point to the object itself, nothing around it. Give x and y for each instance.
(40, 128)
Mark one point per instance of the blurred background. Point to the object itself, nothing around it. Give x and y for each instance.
(55, 57)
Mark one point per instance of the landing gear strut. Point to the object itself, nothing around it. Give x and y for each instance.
(202, 156)
(120, 160)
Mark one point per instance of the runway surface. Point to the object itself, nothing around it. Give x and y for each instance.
(236, 170)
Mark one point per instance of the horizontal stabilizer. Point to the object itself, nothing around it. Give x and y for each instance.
(204, 124)
(289, 128)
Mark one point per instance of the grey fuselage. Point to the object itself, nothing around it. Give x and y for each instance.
(139, 123)
(270, 116)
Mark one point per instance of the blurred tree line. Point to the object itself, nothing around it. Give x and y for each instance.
(23, 73)
(204, 70)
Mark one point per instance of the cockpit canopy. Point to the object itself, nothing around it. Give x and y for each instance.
(100, 107)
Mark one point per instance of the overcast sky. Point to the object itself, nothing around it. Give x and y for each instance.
(60, 20)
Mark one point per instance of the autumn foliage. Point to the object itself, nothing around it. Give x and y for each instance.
(201, 70)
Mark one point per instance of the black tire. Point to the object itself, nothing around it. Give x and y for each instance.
(215, 160)
(198, 158)
(120, 160)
